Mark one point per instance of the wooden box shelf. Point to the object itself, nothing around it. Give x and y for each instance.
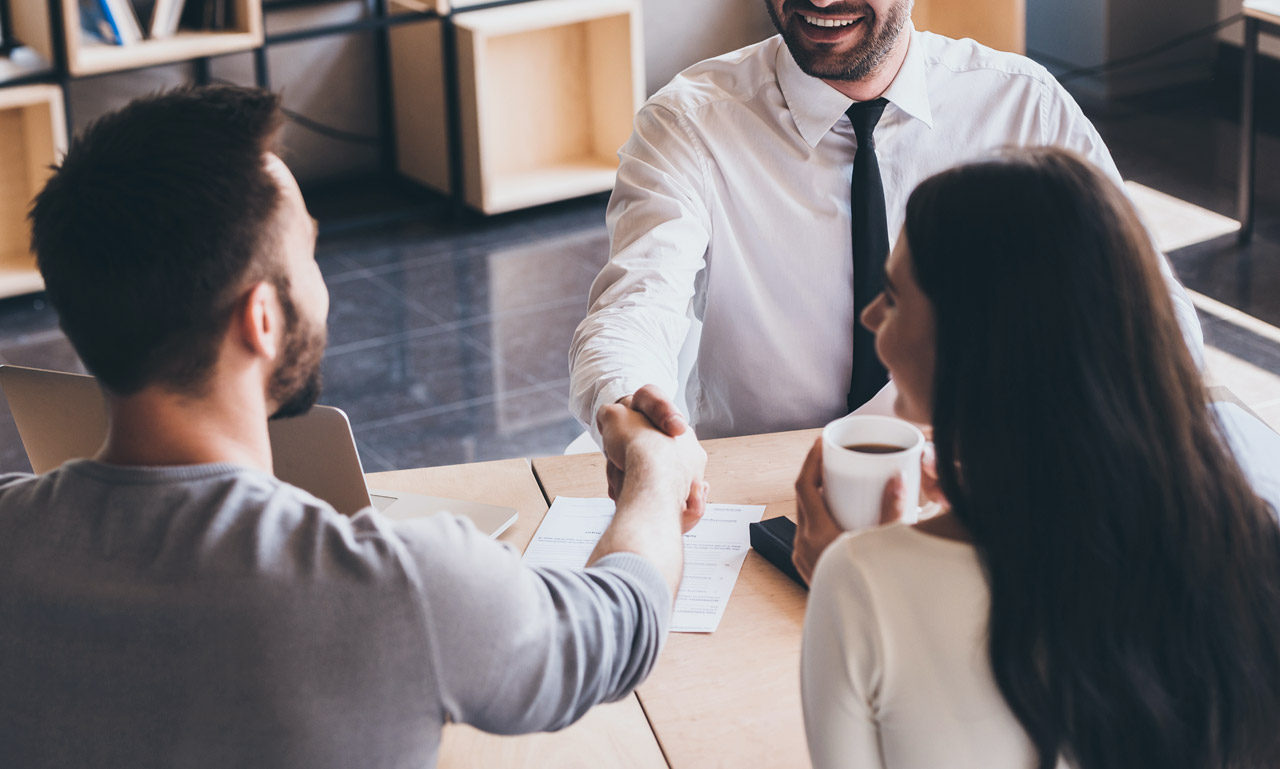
(547, 92)
(33, 136)
(86, 56)
(1000, 24)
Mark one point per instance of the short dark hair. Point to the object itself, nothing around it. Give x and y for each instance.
(158, 217)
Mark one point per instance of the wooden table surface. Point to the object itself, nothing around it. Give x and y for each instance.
(609, 736)
(729, 698)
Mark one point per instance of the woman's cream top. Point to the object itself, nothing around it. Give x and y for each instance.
(894, 670)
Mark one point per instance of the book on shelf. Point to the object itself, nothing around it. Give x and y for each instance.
(112, 21)
(96, 19)
(165, 15)
(119, 22)
(128, 27)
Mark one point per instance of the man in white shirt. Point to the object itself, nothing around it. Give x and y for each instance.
(732, 208)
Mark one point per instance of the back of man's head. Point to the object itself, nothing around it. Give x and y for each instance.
(160, 214)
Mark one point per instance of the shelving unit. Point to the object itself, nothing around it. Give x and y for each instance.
(546, 92)
(85, 56)
(33, 136)
(48, 52)
(499, 104)
(421, 99)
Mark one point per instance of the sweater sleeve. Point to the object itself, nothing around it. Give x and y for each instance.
(518, 649)
(840, 666)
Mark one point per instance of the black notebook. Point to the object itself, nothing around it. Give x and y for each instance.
(775, 540)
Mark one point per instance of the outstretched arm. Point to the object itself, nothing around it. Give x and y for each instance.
(518, 649)
(639, 310)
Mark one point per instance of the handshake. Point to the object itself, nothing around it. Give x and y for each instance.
(653, 455)
(650, 450)
(655, 467)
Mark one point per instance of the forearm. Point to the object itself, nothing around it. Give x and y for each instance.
(553, 641)
(639, 310)
(647, 521)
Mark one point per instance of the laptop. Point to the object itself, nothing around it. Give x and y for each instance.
(63, 416)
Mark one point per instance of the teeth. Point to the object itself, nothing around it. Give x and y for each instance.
(819, 22)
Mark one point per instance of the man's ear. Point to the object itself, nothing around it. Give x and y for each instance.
(258, 321)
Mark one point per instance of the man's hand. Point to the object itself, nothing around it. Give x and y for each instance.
(631, 442)
(663, 415)
(663, 475)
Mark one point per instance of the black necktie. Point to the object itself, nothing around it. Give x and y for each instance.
(870, 248)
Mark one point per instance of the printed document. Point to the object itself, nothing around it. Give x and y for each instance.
(713, 553)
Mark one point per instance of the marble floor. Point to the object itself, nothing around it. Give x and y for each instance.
(449, 335)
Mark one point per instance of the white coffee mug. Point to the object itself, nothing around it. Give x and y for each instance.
(853, 481)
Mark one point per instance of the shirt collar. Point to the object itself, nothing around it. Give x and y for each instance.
(815, 106)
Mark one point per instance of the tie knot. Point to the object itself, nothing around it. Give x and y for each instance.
(864, 115)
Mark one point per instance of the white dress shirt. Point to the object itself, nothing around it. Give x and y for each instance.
(895, 672)
(732, 208)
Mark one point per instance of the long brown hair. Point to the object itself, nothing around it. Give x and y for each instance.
(1134, 574)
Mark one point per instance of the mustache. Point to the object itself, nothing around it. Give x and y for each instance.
(839, 9)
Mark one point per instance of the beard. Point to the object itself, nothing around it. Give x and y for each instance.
(853, 65)
(296, 382)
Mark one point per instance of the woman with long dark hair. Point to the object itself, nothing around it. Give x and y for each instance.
(1104, 591)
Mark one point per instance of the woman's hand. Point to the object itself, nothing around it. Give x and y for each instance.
(815, 527)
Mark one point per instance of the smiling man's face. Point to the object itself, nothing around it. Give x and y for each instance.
(845, 40)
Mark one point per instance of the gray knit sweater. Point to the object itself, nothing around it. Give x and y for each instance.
(213, 616)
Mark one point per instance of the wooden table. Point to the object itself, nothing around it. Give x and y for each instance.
(610, 736)
(730, 698)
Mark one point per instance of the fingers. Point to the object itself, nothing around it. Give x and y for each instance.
(800, 559)
(627, 433)
(614, 475)
(893, 505)
(809, 483)
(815, 528)
(650, 401)
(620, 428)
(695, 506)
(608, 415)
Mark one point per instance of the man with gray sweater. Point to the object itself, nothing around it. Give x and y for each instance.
(170, 603)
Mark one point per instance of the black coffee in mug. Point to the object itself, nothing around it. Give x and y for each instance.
(874, 448)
